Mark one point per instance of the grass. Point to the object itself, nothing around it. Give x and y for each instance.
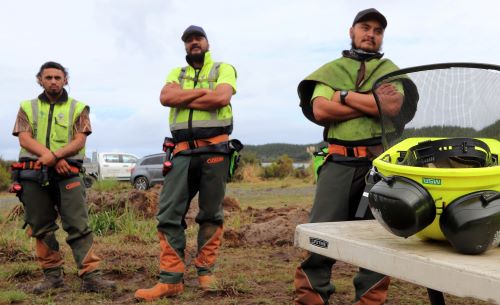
(129, 247)
(12, 297)
(110, 185)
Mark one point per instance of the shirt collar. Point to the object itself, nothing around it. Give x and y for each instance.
(62, 98)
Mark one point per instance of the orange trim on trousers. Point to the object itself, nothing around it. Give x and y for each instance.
(90, 262)
(377, 294)
(305, 293)
(169, 259)
(208, 252)
(47, 258)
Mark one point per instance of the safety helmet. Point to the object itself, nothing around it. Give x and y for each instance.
(471, 223)
(401, 205)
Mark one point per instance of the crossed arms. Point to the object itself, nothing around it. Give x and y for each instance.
(357, 104)
(172, 95)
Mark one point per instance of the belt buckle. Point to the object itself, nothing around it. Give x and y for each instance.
(350, 152)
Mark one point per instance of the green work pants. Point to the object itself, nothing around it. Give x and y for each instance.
(203, 174)
(338, 193)
(64, 197)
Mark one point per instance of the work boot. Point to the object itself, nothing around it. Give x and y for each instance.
(94, 282)
(207, 282)
(50, 281)
(160, 290)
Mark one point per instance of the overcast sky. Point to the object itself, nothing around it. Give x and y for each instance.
(119, 52)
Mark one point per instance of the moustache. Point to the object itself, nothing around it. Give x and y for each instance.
(194, 46)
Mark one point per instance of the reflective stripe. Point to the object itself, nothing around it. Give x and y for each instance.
(181, 83)
(70, 117)
(205, 123)
(34, 113)
(213, 75)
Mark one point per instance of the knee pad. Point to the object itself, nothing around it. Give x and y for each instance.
(471, 223)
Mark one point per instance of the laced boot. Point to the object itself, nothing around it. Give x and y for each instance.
(207, 282)
(52, 279)
(160, 290)
(95, 283)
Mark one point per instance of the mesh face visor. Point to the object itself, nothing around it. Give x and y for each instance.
(442, 100)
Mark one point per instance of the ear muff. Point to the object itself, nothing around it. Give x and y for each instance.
(471, 223)
(401, 205)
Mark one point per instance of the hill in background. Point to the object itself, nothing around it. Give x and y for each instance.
(271, 152)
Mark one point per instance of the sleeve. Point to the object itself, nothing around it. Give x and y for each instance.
(173, 76)
(322, 90)
(22, 123)
(82, 123)
(227, 75)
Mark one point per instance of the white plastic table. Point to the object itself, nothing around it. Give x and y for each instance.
(434, 265)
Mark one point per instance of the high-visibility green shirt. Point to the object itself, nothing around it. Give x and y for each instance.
(189, 124)
(341, 74)
(52, 124)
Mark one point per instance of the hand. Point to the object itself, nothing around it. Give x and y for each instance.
(390, 99)
(47, 159)
(63, 168)
(336, 97)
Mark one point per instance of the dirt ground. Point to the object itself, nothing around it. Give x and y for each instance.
(256, 263)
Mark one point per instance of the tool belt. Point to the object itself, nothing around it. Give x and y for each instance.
(357, 151)
(181, 146)
(25, 165)
(367, 152)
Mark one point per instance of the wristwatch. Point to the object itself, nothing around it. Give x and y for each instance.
(343, 95)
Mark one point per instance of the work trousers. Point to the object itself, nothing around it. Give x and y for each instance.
(64, 197)
(203, 174)
(338, 193)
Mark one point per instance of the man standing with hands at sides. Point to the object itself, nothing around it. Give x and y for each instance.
(52, 131)
(338, 97)
(201, 121)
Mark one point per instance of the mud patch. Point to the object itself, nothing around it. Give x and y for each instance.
(270, 226)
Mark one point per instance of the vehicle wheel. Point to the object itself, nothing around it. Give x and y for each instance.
(141, 183)
(88, 181)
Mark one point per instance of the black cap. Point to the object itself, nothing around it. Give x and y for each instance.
(368, 14)
(193, 29)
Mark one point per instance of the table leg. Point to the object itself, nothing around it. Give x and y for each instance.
(436, 297)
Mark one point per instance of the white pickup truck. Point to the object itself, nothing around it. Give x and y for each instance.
(108, 165)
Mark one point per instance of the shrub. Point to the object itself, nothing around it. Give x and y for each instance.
(281, 168)
(4, 178)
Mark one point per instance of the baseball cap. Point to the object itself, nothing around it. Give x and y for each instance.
(193, 29)
(370, 13)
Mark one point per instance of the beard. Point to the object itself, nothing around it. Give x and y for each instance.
(196, 58)
(53, 93)
(364, 49)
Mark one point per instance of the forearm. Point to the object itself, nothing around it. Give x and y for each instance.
(215, 99)
(208, 101)
(364, 103)
(33, 146)
(326, 111)
(172, 95)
